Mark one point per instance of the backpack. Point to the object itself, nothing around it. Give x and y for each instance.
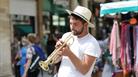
(40, 55)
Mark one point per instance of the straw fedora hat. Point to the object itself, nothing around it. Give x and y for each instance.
(83, 13)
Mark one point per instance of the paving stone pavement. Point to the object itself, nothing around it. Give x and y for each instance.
(44, 74)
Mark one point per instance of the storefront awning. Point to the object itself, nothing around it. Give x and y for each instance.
(23, 29)
(119, 7)
(53, 8)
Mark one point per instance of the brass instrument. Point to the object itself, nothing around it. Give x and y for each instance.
(54, 55)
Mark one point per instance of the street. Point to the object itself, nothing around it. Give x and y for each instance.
(44, 74)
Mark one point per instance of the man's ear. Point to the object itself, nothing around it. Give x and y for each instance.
(86, 24)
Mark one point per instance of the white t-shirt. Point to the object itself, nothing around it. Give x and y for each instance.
(80, 46)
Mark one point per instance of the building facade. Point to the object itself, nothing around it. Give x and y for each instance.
(5, 54)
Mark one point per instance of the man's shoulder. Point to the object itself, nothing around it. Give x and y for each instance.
(39, 51)
(65, 35)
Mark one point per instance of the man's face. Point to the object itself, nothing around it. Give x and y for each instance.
(76, 25)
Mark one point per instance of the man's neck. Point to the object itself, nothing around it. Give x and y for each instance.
(82, 35)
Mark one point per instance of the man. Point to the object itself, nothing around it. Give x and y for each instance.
(78, 58)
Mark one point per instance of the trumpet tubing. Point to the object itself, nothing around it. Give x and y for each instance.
(54, 55)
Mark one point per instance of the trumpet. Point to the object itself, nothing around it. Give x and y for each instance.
(54, 55)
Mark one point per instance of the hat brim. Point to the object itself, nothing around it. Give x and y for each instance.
(71, 12)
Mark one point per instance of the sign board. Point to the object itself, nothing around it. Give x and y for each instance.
(23, 7)
(64, 3)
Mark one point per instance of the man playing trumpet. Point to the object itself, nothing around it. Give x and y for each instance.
(79, 57)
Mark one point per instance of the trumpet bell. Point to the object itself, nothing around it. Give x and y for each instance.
(44, 65)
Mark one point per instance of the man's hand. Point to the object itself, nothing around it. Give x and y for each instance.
(64, 51)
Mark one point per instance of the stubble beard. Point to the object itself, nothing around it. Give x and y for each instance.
(77, 33)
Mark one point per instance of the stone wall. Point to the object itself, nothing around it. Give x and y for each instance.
(5, 53)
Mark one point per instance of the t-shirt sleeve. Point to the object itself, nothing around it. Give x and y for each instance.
(93, 50)
(65, 36)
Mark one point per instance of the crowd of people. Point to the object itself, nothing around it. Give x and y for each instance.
(26, 49)
(29, 49)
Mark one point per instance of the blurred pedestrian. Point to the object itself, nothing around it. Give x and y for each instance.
(50, 44)
(15, 47)
(34, 54)
(22, 55)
